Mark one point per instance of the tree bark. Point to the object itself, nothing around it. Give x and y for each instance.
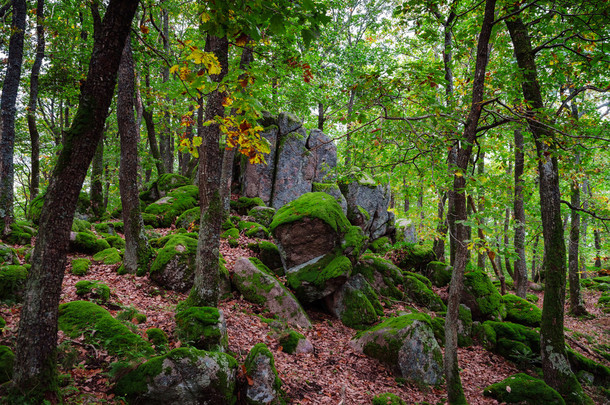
(455, 392)
(555, 365)
(205, 290)
(32, 105)
(481, 206)
(438, 246)
(166, 139)
(97, 186)
(137, 250)
(35, 373)
(520, 276)
(8, 101)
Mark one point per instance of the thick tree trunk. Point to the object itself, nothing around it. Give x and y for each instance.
(519, 241)
(555, 365)
(32, 105)
(10, 88)
(247, 56)
(35, 373)
(205, 290)
(455, 392)
(97, 186)
(137, 250)
(535, 271)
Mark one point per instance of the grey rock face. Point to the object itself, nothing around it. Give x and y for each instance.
(258, 178)
(324, 155)
(420, 358)
(367, 207)
(263, 288)
(266, 387)
(354, 303)
(288, 123)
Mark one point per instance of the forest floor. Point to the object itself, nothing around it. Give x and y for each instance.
(333, 374)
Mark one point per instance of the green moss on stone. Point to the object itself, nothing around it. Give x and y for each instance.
(371, 267)
(88, 243)
(270, 256)
(411, 256)
(359, 313)
(108, 256)
(327, 268)
(80, 225)
(533, 298)
(314, 205)
(189, 219)
(354, 242)
(232, 233)
(85, 318)
(260, 349)
(422, 295)
(131, 314)
(157, 337)
(521, 311)
(245, 204)
(182, 245)
(8, 255)
(252, 229)
(601, 373)
(488, 299)
(116, 242)
(523, 389)
(515, 342)
(36, 208)
(80, 266)
(96, 289)
(7, 361)
(290, 340)
(381, 245)
(388, 399)
(12, 282)
(262, 215)
(438, 273)
(198, 327)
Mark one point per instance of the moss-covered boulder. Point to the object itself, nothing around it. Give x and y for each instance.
(80, 225)
(258, 285)
(604, 302)
(167, 208)
(515, 342)
(367, 205)
(319, 278)
(108, 256)
(8, 255)
(422, 295)
(21, 233)
(93, 289)
(293, 342)
(355, 303)
(405, 343)
(232, 236)
(157, 337)
(388, 399)
(116, 242)
(599, 373)
(185, 376)
(80, 266)
(309, 227)
(523, 389)
(99, 328)
(412, 257)
(333, 190)
(264, 384)
(269, 254)
(381, 245)
(174, 266)
(12, 282)
(162, 186)
(189, 219)
(521, 311)
(244, 204)
(464, 327)
(87, 243)
(381, 274)
(483, 299)
(203, 328)
(253, 229)
(438, 273)
(7, 361)
(262, 215)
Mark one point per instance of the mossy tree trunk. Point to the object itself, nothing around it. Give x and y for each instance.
(555, 365)
(97, 184)
(247, 56)
(32, 104)
(166, 139)
(455, 392)
(205, 290)
(35, 373)
(519, 208)
(8, 101)
(480, 208)
(137, 250)
(147, 114)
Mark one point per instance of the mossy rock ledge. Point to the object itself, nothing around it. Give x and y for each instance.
(523, 389)
(203, 328)
(381, 274)
(266, 386)
(483, 299)
(422, 295)
(185, 376)
(521, 311)
(355, 303)
(12, 282)
(258, 285)
(406, 343)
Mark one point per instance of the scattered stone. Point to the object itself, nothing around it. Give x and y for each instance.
(174, 266)
(355, 303)
(264, 385)
(203, 328)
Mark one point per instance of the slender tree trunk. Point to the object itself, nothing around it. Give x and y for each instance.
(247, 56)
(321, 117)
(137, 250)
(455, 392)
(481, 206)
(32, 105)
(8, 101)
(451, 215)
(97, 186)
(35, 373)
(520, 275)
(165, 136)
(438, 246)
(205, 290)
(509, 268)
(584, 228)
(577, 307)
(555, 365)
(535, 272)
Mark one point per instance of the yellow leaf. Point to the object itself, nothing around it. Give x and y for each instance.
(174, 69)
(197, 141)
(205, 17)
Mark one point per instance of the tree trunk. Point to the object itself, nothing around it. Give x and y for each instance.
(205, 289)
(137, 250)
(165, 137)
(535, 272)
(555, 365)
(577, 307)
(584, 228)
(152, 140)
(518, 206)
(35, 374)
(438, 246)
(321, 118)
(10, 88)
(32, 105)
(97, 186)
(455, 392)
(247, 56)
(481, 206)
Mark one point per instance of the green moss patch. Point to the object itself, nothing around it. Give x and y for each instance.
(290, 340)
(412, 257)
(515, 342)
(8, 255)
(317, 280)
(93, 289)
(521, 311)
(21, 233)
(108, 256)
(253, 230)
(381, 274)
(314, 205)
(99, 328)
(169, 207)
(199, 327)
(131, 314)
(177, 245)
(189, 219)
(420, 294)
(523, 389)
(80, 266)
(253, 368)
(482, 297)
(262, 215)
(388, 399)
(157, 337)
(245, 204)
(7, 361)
(88, 243)
(381, 245)
(439, 273)
(12, 282)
